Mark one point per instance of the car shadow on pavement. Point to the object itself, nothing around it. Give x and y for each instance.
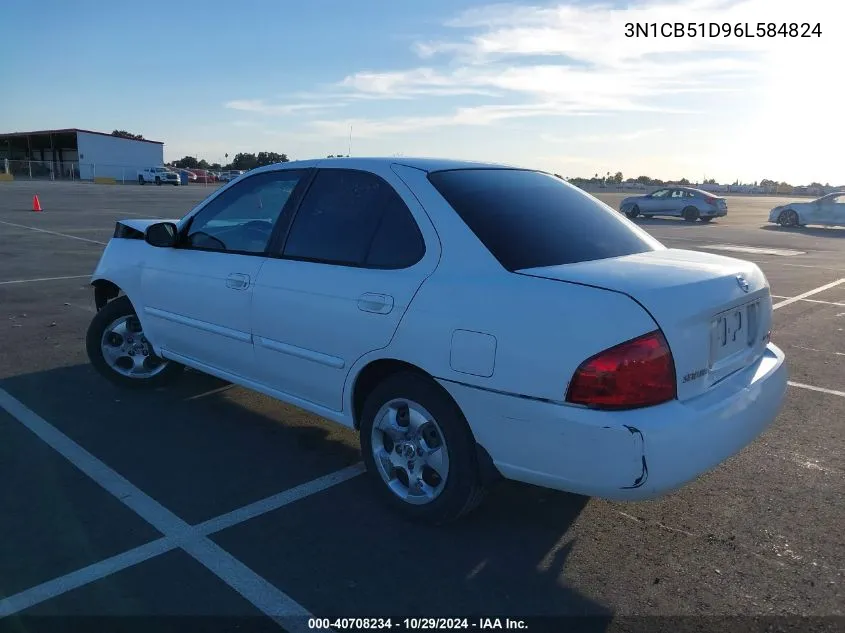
(830, 231)
(195, 446)
(202, 450)
(671, 222)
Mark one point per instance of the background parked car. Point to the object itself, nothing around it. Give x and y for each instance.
(226, 176)
(686, 202)
(828, 210)
(204, 177)
(158, 175)
(186, 176)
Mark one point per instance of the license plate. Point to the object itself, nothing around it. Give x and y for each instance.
(732, 331)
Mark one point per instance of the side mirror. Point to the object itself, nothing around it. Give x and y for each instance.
(162, 235)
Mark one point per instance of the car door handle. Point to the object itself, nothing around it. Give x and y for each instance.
(373, 302)
(237, 281)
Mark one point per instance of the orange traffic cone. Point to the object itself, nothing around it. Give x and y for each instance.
(36, 203)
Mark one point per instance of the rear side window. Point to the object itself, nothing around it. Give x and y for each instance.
(529, 219)
(354, 218)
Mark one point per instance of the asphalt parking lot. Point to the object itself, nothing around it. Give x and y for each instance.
(206, 499)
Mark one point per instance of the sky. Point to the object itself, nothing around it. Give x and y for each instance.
(549, 85)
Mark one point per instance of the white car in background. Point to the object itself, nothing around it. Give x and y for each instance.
(159, 176)
(829, 210)
(472, 321)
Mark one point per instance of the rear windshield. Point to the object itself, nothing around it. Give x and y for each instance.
(529, 219)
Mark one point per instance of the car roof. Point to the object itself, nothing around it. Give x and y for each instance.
(425, 164)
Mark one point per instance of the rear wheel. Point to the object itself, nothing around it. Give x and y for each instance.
(419, 451)
(690, 214)
(633, 212)
(788, 217)
(119, 350)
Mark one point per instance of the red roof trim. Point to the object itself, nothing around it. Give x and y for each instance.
(76, 129)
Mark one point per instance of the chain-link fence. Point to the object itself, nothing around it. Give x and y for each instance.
(83, 171)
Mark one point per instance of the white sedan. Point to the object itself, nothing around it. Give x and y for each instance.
(472, 321)
(829, 210)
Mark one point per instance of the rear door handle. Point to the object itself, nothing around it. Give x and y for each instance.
(237, 281)
(373, 302)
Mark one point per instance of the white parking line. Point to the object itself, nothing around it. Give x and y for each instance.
(97, 571)
(781, 252)
(811, 266)
(829, 303)
(831, 392)
(81, 577)
(29, 281)
(32, 228)
(809, 293)
(818, 351)
(193, 540)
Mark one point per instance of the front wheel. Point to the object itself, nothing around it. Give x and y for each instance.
(633, 212)
(419, 450)
(788, 218)
(119, 350)
(158, 180)
(140, 180)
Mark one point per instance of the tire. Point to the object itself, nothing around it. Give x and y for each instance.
(154, 371)
(788, 217)
(706, 220)
(431, 415)
(634, 212)
(158, 181)
(141, 180)
(690, 214)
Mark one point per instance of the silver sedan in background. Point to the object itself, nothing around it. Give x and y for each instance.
(683, 202)
(828, 210)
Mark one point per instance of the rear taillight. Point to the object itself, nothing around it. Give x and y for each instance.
(637, 373)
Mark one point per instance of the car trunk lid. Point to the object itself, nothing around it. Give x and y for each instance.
(714, 311)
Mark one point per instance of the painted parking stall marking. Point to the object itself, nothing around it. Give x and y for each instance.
(37, 230)
(781, 252)
(29, 281)
(194, 540)
(809, 293)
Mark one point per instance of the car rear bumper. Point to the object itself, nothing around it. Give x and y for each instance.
(625, 455)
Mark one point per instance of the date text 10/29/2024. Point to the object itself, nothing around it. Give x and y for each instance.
(417, 624)
(722, 29)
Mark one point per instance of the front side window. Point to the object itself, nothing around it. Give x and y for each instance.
(529, 219)
(354, 218)
(241, 219)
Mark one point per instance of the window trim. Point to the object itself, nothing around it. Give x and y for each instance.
(277, 248)
(307, 177)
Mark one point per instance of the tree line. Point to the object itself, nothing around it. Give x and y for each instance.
(618, 178)
(242, 161)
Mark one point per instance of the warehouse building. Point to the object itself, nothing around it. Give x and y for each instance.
(74, 154)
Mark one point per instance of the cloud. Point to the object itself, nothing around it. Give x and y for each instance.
(602, 138)
(567, 60)
(259, 106)
(470, 116)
